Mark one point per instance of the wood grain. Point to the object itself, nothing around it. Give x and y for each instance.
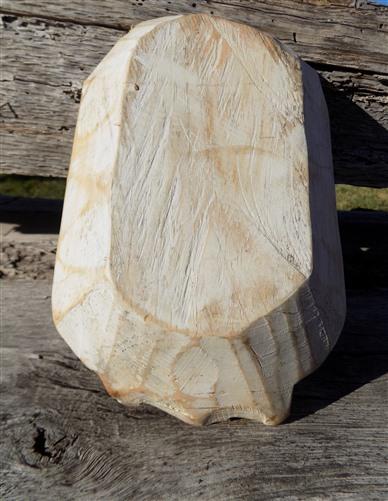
(333, 32)
(46, 58)
(191, 271)
(63, 437)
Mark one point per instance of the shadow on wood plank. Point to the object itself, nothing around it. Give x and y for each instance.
(360, 355)
(364, 239)
(31, 215)
(359, 142)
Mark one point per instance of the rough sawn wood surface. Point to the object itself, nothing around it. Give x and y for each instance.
(49, 48)
(63, 437)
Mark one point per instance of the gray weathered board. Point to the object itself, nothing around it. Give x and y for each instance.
(50, 47)
(63, 437)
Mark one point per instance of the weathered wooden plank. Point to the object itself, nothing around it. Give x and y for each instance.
(62, 436)
(45, 62)
(335, 32)
(29, 252)
(43, 69)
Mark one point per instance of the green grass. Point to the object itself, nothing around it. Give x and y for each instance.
(348, 197)
(33, 187)
(355, 197)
